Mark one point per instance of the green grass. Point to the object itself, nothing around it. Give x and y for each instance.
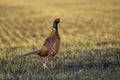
(90, 39)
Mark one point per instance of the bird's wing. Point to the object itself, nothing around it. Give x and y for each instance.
(44, 51)
(30, 53)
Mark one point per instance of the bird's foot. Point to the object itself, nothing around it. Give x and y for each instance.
(45, 66)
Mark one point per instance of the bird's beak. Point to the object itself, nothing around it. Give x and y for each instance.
(60, 20)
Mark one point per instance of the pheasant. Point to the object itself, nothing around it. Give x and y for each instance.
(50, 46)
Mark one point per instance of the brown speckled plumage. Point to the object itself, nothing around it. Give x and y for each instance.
(51, 45)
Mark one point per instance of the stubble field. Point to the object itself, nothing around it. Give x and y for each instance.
(90, 39)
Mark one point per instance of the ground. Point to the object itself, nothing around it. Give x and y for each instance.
(90, 39)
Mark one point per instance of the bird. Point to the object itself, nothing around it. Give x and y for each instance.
(51, 45)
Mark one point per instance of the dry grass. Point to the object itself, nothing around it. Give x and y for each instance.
(90, 39)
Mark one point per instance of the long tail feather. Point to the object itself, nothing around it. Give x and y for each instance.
(31, 53)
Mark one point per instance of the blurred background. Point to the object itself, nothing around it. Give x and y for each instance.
(92, 21)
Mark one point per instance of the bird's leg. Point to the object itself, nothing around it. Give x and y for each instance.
(44, 65)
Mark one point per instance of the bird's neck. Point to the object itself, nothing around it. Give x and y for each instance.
(55, 26)
(54, 30)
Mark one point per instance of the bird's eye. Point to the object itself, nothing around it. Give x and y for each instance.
(58, 20)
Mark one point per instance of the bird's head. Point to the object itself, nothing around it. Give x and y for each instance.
(57, 20)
